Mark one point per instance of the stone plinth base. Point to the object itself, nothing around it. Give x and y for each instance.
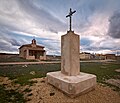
(72, 85)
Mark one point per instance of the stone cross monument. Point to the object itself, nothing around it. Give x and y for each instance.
(70, 64)
(70, 80)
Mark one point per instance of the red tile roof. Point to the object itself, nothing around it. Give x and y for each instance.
(30, 45)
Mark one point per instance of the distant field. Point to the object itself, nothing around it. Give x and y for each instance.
(15, 58)
(22, 73)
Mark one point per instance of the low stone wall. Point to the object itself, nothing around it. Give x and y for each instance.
(30, 57)
(5, 55)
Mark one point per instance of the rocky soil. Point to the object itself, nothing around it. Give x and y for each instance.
(45, 93)
(10, 85)
(41, 92)
(115, 82)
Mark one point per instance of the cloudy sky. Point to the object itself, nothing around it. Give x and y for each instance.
(96, 21)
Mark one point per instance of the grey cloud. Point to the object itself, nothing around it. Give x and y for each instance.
(114, 26)
(6, 27)
(105, 44)
(6, 46)
(53, 31)
(41, 17)
(95, 48)
(26, 11)
(7, 41)
(14, 42)
(25, 15)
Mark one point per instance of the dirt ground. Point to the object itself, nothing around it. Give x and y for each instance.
(115, 82)
(45, 93)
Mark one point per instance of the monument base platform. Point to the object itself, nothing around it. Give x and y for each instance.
(72, 85)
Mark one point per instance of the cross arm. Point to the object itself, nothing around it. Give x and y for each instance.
(68, 15)
(73, 12)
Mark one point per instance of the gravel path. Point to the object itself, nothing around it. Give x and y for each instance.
(18, 63)
(47, 62)
(45, 93)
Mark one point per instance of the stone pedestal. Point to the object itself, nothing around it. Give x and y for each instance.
(72, 85)
(70, 80)
(70, 64)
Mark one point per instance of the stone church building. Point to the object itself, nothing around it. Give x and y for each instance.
(32, 51)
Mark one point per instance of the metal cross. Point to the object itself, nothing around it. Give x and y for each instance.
(70, 15)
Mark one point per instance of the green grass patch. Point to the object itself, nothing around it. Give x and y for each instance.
(27, 90)
(102, 70)
(10, 96)
(22, 74)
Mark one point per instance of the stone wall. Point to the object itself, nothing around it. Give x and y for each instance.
(5, 55)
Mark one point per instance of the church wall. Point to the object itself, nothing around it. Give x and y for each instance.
(30, 57)
(22, 52)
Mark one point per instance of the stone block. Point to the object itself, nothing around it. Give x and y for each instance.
(72, 85)
(70, 62)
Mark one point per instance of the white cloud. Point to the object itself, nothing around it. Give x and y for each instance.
(41, 19)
